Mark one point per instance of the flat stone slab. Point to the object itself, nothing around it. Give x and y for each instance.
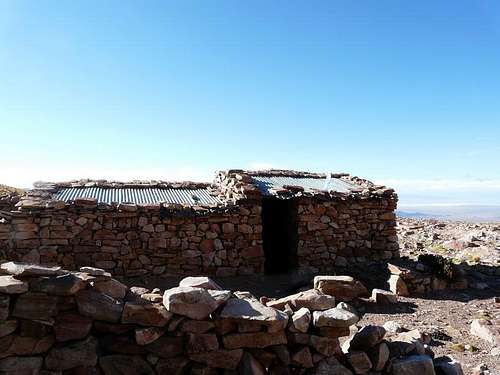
(344, 288)
(334, 318)
(10, 285)
(242, 310)
(311, 299)
(27, 269)
(200, 282)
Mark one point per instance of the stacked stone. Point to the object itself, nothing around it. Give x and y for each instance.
(335, 233)
(54, 321)
(8, 200)
(133, 240)
(409, 278)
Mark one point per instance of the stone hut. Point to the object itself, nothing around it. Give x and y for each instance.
(243, 223)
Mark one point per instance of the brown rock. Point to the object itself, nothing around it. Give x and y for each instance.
(19, 345)
(359, 361)
(166, 347)
(195, 303)
(10, 285)
(71, 326)
(35, 306)
(253, 340)
(70, 355)
(302, 358)
(379, 355)
(146, 314)
(124, 365)
(7, 327)
(331, 366)
(21, 365)
(99, 306)
(111, 287)
(196, 326)
(366, 338)
(225, 359)
(334, 332)
(204, 342)
(172, 366)
(144, 336)
(120, 345)
(4, 306)
(250, 366)
(63, 285)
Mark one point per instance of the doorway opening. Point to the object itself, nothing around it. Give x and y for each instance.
(279, 234)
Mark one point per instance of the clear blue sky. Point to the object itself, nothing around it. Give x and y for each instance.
(404, 93)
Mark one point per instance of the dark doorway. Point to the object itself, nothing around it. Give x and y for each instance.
(279, 234)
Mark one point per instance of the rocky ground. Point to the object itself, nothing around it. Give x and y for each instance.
(473, 243)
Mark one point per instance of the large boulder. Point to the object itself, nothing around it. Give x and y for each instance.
(344, 288)
(253, 314)
(311, 299)
(195, 303)
(334, 318)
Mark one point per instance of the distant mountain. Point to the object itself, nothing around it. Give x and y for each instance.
(472, 213)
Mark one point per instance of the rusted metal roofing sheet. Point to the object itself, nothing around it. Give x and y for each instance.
(139, 195)
(267, 183)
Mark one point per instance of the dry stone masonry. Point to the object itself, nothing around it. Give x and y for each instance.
(351, 221)
(54, 321)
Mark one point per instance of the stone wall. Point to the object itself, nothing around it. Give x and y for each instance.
(54, 321)
(133, 241)
(335, 233)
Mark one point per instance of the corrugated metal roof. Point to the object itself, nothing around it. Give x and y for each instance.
(267, 183)
(138, 195)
